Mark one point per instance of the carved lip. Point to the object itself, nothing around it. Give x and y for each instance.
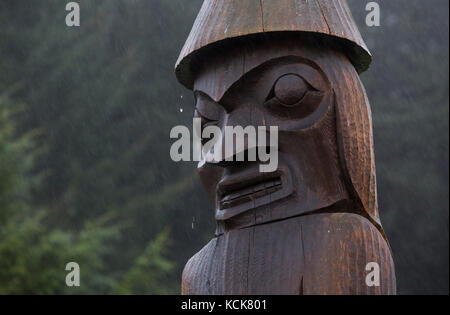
(245, 191)
(249, 193)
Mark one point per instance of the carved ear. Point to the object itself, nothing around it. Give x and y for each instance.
(355, 138)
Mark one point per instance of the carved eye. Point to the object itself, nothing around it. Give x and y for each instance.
(293, 97)
(290, 89)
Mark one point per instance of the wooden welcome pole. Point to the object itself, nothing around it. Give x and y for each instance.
(312, 226)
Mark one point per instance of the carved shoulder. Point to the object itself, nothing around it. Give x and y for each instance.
(196, 273)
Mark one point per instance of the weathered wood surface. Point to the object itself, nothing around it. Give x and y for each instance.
(220, 20)
(312, 226)
(323, 254)
(350, 120)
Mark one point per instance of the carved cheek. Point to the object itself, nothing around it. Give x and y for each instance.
(313, 152)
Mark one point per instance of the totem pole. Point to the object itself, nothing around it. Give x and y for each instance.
(312, 226)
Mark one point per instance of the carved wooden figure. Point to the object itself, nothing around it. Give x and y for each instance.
(312, 226)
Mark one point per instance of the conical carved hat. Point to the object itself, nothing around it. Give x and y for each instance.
(221, 20)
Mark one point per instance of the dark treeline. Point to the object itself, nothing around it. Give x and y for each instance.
(85, 171)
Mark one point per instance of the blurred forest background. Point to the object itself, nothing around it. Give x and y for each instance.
(85, 172)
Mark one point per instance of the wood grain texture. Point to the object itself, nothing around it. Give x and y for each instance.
(338, 248)
(355, 129)
(350, 123)
(312, 226)
(221, 20)
(297, 15)
(323, 254)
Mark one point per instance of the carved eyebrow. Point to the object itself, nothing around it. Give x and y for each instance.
(273, 69)
(215, 93)
(206, 106)
(216, 82)
(199, 94)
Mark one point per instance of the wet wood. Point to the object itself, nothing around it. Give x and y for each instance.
(236, 18)
(312, 226)
(323, 254)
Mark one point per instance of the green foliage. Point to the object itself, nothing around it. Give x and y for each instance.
(14, 161)
(107, 187)
(150, 270)
(33, 256)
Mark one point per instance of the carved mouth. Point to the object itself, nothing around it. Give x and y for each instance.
(250, 193)
(247, 190)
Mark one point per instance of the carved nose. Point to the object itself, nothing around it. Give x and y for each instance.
(240, 141)
(238, 154)
(236, 151)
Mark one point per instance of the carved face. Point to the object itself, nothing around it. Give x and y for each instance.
(287, 86)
